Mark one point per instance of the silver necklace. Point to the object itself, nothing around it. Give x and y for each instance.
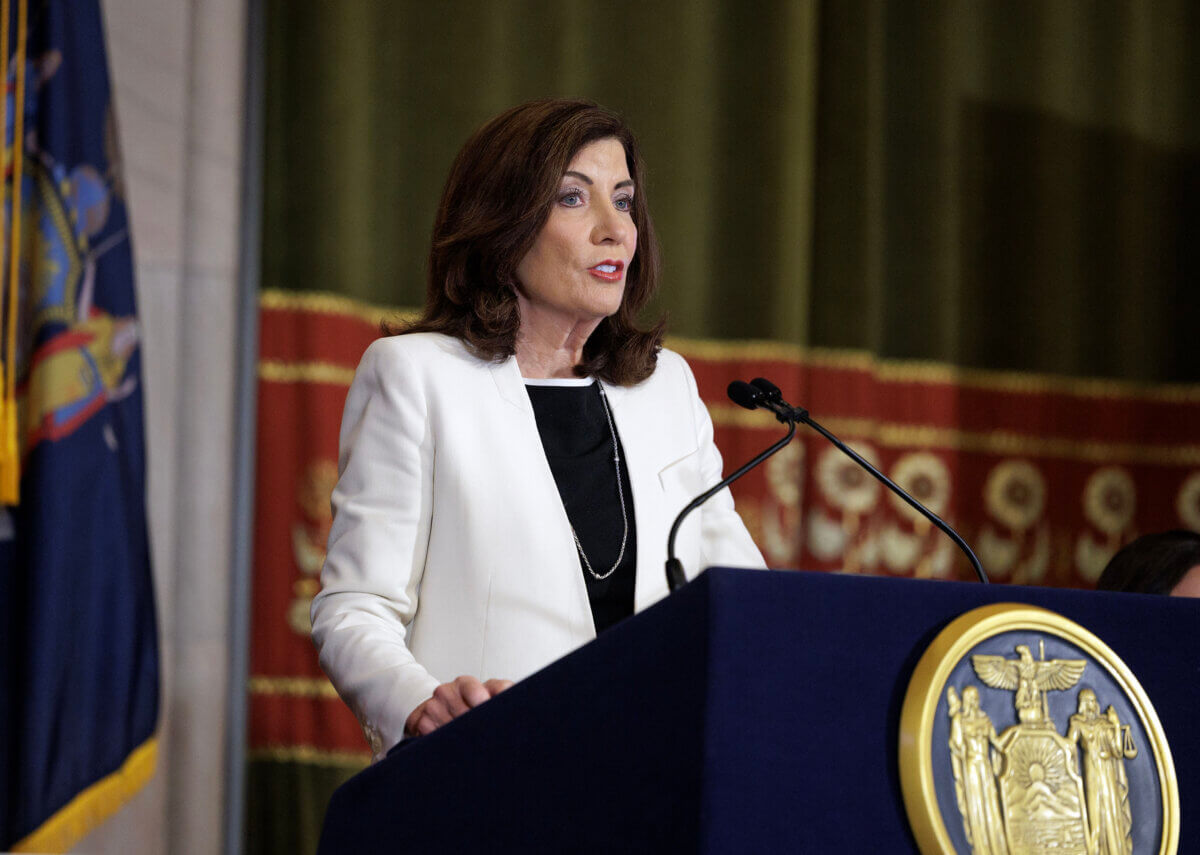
(620, 494)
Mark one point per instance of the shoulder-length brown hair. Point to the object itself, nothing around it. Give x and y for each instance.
(497, 199)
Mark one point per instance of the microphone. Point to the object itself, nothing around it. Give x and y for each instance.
(745, 395)
(765, 394)
(770, 395)
(750, 397)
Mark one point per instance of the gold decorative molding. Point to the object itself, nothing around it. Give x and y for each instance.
(753, 350)
(325, 303)
(311, 756)
(936, 373)
(282, 371)
(746, 350)
(1003, 443)
(292, 687)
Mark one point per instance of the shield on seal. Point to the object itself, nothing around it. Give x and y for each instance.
(1041, 793)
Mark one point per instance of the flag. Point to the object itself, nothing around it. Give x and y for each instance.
(78, 638)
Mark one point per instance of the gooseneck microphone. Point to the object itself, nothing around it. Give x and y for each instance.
(769, 397)
(746, 396)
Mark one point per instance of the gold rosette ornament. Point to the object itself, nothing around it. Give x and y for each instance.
(847, 487)
(1015, 494)
(779, 514)
(1109, 501)
(1188, 502)
(927, 479)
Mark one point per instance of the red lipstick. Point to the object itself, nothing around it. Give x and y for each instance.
(608, 270)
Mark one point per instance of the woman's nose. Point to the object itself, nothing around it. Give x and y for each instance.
(613, 226)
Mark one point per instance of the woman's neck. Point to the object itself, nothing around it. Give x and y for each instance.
(542, 362)
(550, 347)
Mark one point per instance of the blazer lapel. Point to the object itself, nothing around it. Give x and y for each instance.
(511, 385)
(540, 490)
(648, 449)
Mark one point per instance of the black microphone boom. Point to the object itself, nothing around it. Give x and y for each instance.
(770, 392)
(743, 395)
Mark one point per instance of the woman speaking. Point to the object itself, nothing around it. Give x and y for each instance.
(510, 464)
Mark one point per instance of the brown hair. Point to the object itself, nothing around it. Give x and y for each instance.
(496, 201)
(1152, 563)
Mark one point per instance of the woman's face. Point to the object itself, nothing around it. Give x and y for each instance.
(1189, 585)
(575, 271)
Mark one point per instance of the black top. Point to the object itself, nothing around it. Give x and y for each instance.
(579, 449)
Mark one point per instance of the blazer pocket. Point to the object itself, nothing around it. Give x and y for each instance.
(683, 476)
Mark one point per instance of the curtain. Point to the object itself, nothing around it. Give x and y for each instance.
(962, 233)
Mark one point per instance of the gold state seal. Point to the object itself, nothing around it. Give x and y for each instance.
(987, 769)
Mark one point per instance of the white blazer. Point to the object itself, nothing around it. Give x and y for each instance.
(450, 551)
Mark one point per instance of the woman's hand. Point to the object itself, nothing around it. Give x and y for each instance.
(450, 700)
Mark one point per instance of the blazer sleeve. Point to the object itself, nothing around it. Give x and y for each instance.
(382, 507)
(724, 539)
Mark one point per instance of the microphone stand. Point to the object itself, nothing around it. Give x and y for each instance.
(765, 394)
(675, 575)
(772, 398)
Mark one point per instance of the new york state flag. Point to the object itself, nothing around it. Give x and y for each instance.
(79, 687)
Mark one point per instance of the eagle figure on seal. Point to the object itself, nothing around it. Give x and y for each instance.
(1031, 678)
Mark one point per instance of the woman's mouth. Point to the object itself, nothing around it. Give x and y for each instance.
(609, 270)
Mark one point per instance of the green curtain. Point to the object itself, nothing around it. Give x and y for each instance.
(368, 102)
(993, 184)
(1010, 185)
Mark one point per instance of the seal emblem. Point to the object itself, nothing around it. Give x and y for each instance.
(1049, 754)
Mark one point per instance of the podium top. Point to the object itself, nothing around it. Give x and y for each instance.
(750, 711)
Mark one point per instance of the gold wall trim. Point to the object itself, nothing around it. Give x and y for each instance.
(755, 350)
(732, 416)
(746, 350)
(937, 373)
(292, 687)
(891, 435)
(1033, 384)
(281, 371)
(311, 756)
(1002, 443)
(325, 303)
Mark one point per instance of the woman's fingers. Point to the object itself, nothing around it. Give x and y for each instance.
(495, 687)
(450, 695)
(450, 700)
(426, 718)
(426, 725)
(471, 691)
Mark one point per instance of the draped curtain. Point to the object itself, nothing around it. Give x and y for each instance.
(964, 232)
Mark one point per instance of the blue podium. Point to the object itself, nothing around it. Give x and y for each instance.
(751, 711)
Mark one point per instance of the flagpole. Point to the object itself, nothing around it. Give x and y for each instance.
(245, 416)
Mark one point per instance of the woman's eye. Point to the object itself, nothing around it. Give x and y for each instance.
(572, 199)
(623, 204)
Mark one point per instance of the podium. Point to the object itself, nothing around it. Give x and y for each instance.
(751, 711)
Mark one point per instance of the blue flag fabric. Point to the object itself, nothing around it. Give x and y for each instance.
(79, 687)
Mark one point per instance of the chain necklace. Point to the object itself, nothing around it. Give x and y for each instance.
(599, 577)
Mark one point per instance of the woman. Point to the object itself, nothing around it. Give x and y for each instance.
(511, 463)
(1166, 562)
